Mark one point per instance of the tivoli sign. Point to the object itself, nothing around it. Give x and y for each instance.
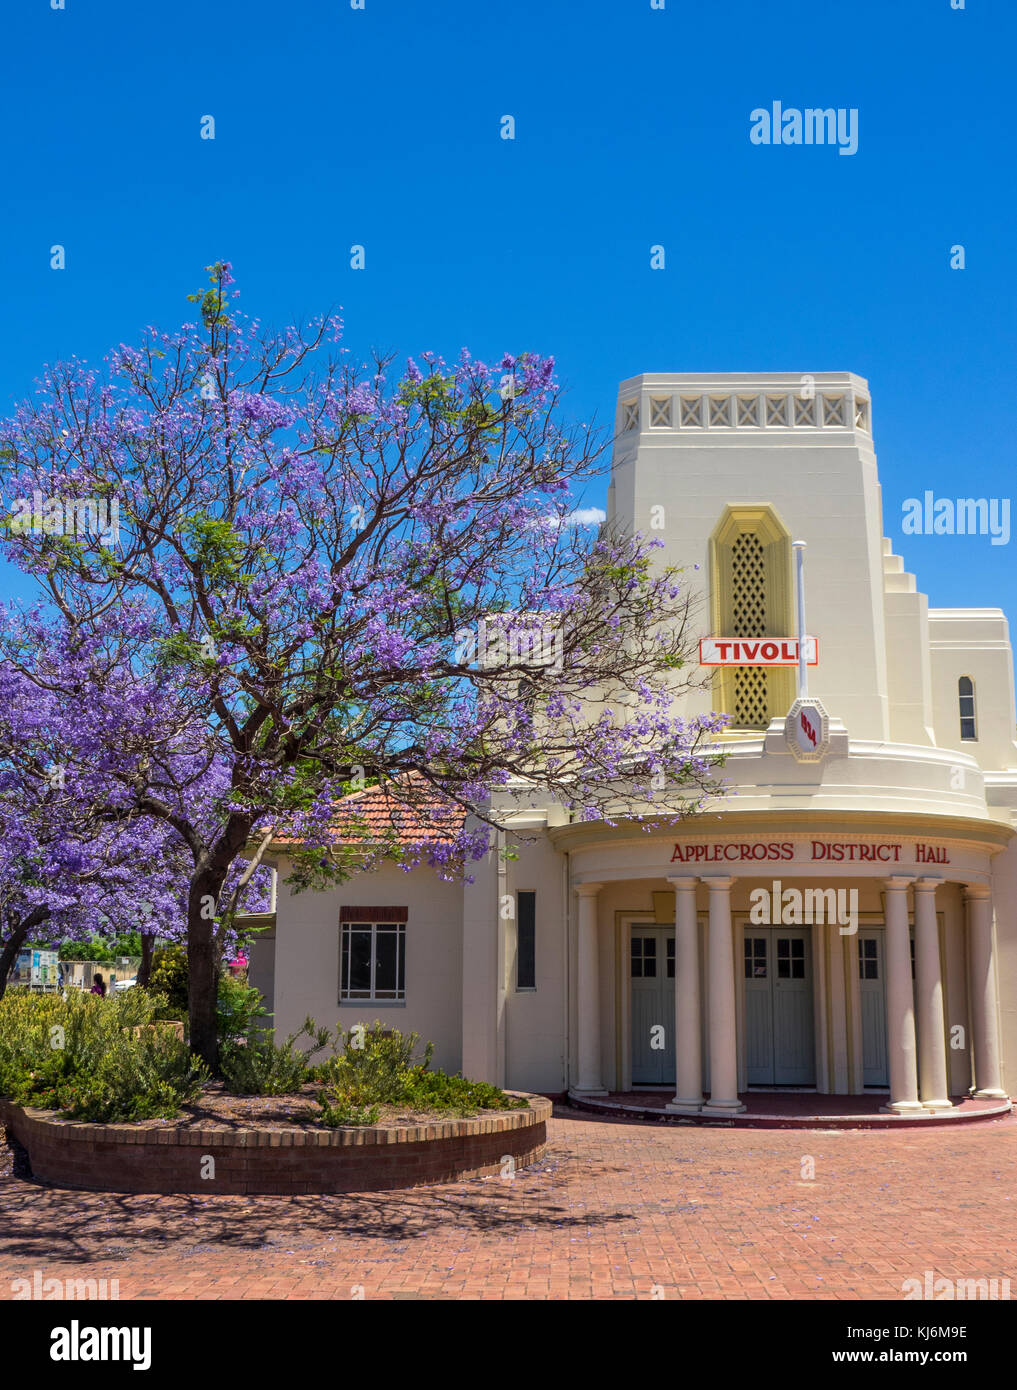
(756, 651)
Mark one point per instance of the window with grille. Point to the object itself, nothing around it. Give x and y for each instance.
(966, 698)
(372, 957)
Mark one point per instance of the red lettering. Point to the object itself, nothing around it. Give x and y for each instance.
(865, 851)
(750, 649)
(722, 649)
(787, 651)
(768, 651)
(789, 850)
(820, 851)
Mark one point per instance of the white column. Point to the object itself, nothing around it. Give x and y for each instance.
(900, 1001)
(723, 1041)
(589, 1082)
(933, 1084)
(984, 1013)
(687, 1023)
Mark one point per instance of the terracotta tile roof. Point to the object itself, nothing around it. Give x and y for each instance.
(377, 811)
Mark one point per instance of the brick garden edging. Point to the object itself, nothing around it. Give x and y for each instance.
(283, 1162)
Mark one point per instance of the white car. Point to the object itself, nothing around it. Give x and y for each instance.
(125, 984)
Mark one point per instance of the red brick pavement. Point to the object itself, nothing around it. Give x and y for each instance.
(616, 1210)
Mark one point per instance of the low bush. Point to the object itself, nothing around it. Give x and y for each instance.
(257, 1066)
(93, 1058)
(377, 1067)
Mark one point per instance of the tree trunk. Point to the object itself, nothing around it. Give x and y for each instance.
(14, 943)
(202, 951)
(202, 972)
(147, 952)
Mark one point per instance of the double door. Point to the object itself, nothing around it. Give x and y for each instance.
(779, 1028)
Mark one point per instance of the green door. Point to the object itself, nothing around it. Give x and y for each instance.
(779, 1032)
(651, 974)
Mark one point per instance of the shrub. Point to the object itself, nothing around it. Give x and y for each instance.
(169, 977)
(260, 1067)
(237, 1007)
(382, 1071)
(94, 1059)
(437, 1090)
(373, 1065)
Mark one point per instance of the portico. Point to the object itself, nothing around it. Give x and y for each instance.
(761, 982)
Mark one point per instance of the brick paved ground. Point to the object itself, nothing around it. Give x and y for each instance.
(615, 1209)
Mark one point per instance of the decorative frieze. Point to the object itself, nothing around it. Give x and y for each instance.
(791, 410)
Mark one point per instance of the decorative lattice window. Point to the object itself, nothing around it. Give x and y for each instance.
(751, 596)
(630, 416)
(748, 410)
(660, 411)
(861, 414)
(691, 410)
(833, 411)
(748, 586)
(748, 611)
(776, 410)
(720, 410)
(805, 411)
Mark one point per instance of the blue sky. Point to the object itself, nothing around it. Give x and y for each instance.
(380, 127)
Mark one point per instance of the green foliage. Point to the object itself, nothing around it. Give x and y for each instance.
(102, 949)
(169, 978)
(94, 1059)
(375, 1071)
(260, 1067)
(382, 1071)
(437, 1090)
(238, 1005)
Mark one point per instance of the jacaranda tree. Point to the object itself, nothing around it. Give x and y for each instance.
(341, 573)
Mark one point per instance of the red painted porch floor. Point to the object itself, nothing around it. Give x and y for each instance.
(792, 1110)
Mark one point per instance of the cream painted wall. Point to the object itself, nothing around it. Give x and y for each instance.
(535, 1034)
(974, 642)
(307, 957)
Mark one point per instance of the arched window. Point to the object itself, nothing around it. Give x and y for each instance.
(966, 700)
